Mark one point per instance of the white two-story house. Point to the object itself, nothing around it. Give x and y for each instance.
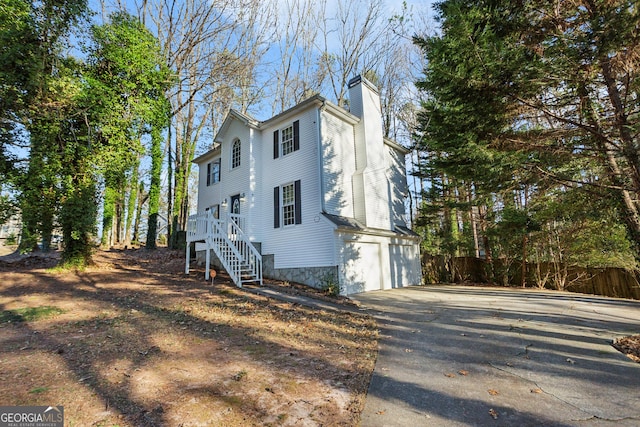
(314, 195)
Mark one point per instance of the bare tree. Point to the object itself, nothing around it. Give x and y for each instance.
(204, 47)
(349, 42)
(294, 71)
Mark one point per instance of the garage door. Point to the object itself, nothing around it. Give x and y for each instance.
(362, 267)
(400, 257)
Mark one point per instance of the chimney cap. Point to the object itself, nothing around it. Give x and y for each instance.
(354, 81)
(360, 79)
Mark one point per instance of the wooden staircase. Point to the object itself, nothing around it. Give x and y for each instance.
(229, 243)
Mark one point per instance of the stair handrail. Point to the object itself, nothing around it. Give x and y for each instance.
(218, 237)
(249, 253)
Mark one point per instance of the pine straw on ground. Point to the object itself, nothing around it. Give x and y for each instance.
(133, 341)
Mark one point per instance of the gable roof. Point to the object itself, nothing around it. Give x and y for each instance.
(235, 115)
(316, 100)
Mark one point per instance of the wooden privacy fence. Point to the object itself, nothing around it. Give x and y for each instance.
(611, 282)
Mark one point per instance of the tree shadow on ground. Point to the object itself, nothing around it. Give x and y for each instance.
(126, 325)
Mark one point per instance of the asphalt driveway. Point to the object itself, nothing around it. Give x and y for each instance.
(472, 356)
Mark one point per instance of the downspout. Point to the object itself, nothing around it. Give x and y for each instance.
(320, 157)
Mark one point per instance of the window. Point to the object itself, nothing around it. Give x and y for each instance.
(287, 207)
(286, 140)
(215, 211)
(235, 154)
(213, 172)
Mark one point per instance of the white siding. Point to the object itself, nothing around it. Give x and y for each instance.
(236, 180)
(377, 193)
(232, 181)
(207, 195)
(338, 165)
(309, 244)
(255, 193)
(398, 185)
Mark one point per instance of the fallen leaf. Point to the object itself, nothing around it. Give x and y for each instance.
(536, 390)
(380, 412)
(463, 372)
(449, 374)
(493, 392)
(493, 413)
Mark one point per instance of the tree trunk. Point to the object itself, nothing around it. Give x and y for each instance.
(142, 198)
(108, 213)
(131, 204)
(525, 242)
(154, 189)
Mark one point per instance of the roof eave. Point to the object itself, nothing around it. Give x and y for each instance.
(315, 100)
(209, 154)
(391, 143)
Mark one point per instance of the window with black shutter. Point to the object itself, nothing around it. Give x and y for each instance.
(298, 204)
(213, 172)
(276, 144)
(287, 205)
(276, 207)
(286, 140)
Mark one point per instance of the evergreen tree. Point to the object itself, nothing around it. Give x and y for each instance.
(527, 99)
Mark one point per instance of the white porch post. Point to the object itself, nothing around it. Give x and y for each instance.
(186, 265)
(207, 239)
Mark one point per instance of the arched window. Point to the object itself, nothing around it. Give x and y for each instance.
(235, 154)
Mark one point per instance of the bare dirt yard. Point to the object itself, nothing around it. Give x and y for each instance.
(132, 341)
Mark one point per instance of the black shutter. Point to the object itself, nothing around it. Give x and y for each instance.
(208, 174)
(276, 207)
(298, 212)
(296, 135)
(276, 144)
(219, 161)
